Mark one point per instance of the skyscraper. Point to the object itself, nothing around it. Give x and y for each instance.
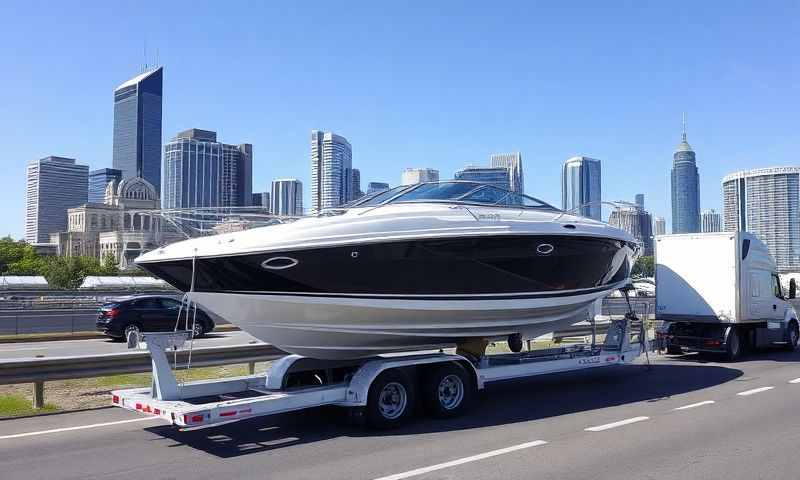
(581, 187)
(637, 222)
(766, 202)
(355, 189)
(498, 177)
(54, 185)
(137, 127)
(685, 189)
(98, 180)
(377, 187)
(331, 170)
(710, 221)
(640, 200)
(513, 162)
(412, 176)
(262, 199)
(287, 197)
(201, 172)
(659, 226)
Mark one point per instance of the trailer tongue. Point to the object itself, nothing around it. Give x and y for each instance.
(382, 390)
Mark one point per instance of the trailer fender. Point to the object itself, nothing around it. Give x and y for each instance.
(358, 388)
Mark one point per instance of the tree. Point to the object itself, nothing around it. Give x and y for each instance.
(644, 267)
(109, 265)
(19, 258)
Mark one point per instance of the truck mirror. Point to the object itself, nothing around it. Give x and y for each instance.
(792, 288)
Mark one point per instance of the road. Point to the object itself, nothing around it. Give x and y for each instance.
(685, 419)
(99, 346)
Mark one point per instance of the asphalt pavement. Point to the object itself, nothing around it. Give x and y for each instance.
(684, 418)
(100, 346)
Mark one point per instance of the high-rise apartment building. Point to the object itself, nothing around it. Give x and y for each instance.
(637, 222)
(413, 176)
(199, 171)
(287, 197)
(581, 187)
(659, 226)
(685, 189)
(499, 176)
(513, 162)
(710, 221)
(54, 185)
(331, 170)
(98, 181)
(137, 127)
(374, 187)
(766, 202)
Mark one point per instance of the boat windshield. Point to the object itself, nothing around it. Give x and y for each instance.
(452, 192)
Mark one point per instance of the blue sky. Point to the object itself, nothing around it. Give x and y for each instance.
(435, 84)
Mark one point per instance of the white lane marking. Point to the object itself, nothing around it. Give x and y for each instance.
(753, 391)
(796, 380)
(80, 427)
(461, 461)
(693, 405)
(607, 426)
(21, 349)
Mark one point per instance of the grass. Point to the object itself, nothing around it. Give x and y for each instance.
(17, 405)
(65, 395)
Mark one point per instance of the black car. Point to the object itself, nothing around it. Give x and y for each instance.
(149, 313)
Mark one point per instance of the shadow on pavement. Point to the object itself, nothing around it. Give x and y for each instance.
(504, 403)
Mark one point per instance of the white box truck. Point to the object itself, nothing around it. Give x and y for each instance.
(720, 292)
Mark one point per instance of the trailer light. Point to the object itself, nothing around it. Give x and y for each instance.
(197, 418)
(712, 343)
(115, 399)
(156, 411)
(138, 406)
(227, 414)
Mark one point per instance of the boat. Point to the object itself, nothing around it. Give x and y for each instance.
(423, 266)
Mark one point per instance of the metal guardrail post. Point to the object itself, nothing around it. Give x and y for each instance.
(38, 394)
(16, 324)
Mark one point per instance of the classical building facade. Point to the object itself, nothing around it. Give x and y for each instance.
(125, 225)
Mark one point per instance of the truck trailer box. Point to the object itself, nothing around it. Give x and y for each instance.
(719, 292)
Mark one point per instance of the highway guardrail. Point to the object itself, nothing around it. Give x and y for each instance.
(40, 370)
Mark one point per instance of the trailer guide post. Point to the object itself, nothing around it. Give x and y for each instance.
(382, 390)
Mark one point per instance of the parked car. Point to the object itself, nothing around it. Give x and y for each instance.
(148, 313)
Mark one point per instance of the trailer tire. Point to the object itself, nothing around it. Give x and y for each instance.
(733, 345)
(447, 390)
(793, 335)
(391, 399)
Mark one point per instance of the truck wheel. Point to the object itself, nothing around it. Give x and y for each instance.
(793, 336)
(447, 390)
(391, 400)
(733, 347)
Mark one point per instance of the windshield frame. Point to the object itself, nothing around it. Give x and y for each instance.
(404, 189)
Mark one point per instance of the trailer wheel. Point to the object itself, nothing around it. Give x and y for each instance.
(733, 347)
(793, 335)
(391, 400)
(447, 390)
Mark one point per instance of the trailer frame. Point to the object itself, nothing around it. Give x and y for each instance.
(295, 383)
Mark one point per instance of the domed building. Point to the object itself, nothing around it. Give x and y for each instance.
(125, 225)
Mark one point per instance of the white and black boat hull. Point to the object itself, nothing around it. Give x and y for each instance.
(345, 327)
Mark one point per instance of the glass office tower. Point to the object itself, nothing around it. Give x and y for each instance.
(685, 190)
(54, 185)
(581, 187)
(137, 127)
(98, 180)
(497, 176)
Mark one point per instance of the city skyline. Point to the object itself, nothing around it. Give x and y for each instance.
(623, 119)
